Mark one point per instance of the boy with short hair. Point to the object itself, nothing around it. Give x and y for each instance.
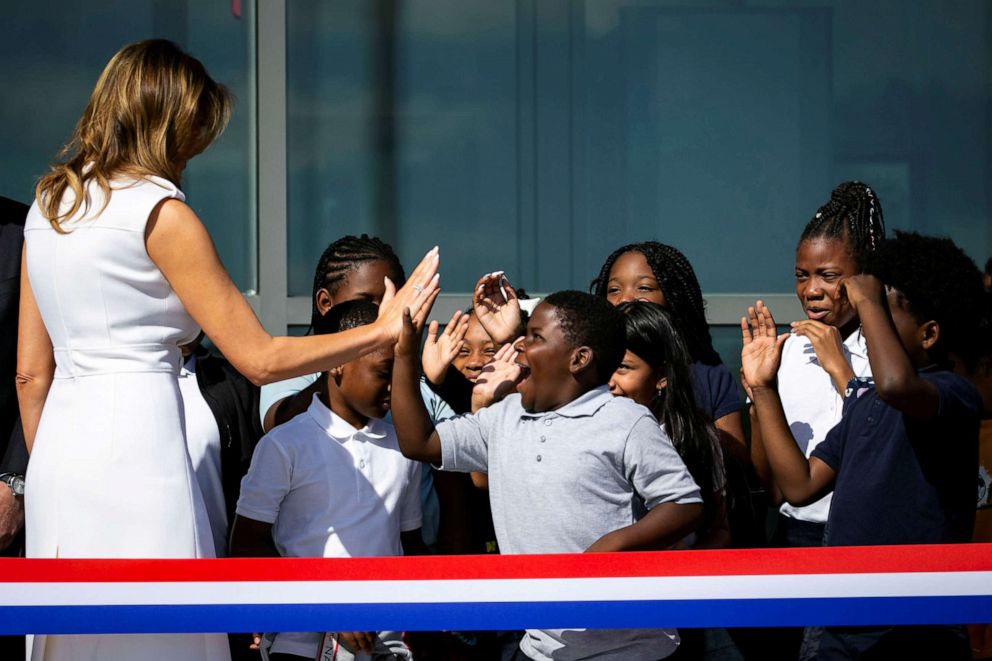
(332, 482)
(902, 460)
(571, 468)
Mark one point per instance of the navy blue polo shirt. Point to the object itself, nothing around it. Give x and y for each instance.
(715, 389)
(903, 480)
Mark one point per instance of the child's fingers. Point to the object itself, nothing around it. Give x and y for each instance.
(432, 329)
(745, 331)
(449, 329)
(511, 293)
(460, 329)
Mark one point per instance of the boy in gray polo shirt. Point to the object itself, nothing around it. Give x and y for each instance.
(571, 468)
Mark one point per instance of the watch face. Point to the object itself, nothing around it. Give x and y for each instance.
(15, 482)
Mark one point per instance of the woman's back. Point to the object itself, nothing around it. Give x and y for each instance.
(106, 306)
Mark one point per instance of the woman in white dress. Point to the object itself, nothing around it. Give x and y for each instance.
(118, 272)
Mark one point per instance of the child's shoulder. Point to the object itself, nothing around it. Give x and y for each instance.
(955, 391)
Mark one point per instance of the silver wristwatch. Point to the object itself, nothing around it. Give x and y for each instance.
(14, 481)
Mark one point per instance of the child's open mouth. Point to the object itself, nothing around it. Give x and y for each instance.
(524, 375)
(816, 314)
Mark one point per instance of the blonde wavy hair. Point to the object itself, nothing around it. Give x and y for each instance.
(153, 108)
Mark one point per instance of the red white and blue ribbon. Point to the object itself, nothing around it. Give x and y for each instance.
(755, 587)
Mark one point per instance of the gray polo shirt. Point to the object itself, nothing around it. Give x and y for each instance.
(560, 480)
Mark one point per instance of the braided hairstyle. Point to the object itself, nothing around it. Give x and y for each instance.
(345, 255)
(854, 216)
(683, 296)
(652, 337)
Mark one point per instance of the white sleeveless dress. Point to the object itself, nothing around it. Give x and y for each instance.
(110, 475)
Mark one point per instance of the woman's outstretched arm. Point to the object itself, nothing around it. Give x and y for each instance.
(180, 246)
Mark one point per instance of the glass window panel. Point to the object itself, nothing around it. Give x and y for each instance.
(52, 55)
(537, 136)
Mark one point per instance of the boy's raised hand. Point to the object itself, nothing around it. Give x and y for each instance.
(440, 350)
(498, 313)
(408, 342)
(762, 352)
(861, 288)
(498, 378)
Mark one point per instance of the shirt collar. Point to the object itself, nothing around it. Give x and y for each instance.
(856, 344)
(338, 428)
(584, 405)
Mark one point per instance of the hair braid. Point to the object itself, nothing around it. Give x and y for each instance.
(683, 296)
(345, 255)
(852, 215)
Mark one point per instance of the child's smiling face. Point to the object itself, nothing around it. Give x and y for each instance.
(631, 279)
(545, 356)
(636, 379)
(821, 264)
(477, 350)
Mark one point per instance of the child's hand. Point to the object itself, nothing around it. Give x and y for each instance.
(439, 351)
(498, 378)
(408, 342)
(860, 288)
(358, 641)
(826, 342)
(498, 313)
(762, 350)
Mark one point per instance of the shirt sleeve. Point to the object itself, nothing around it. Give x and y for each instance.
(465, 441)
(715, 390)
(274, 392)
(726, 396)
(958, 397)
(267, 482)
(655, 469)
(436, 407)
(410, 512)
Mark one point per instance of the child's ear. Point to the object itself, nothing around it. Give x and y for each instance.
(929, 334)
(580, 359)
(662, 383)
(324, 301)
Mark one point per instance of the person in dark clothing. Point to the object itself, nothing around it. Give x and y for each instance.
(222, 429)
(14, 453)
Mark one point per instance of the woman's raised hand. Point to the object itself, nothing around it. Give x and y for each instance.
(497, 307)
(414, 296)
(441, 350)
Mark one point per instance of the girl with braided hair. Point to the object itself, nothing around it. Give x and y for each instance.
(350, 268)
(659, 273)
(825, 351)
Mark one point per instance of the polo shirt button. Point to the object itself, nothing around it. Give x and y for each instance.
(538, 457)
(543, 439)
(361, 464)
(547, 422)
(870, 419)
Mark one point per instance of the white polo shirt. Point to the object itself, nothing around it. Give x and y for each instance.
(812, 404)
(331, 491)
